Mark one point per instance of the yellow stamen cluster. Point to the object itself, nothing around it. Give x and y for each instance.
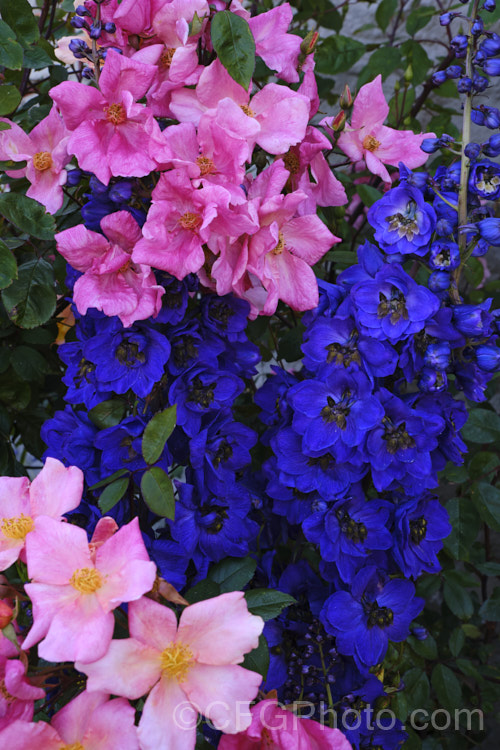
(17, 527)
(247, 110)
(190, 221)
(370, 143)
(42, 161)
(166, 57)
(292, 162)
(206, 165)
(86, 580)
(74, 746)
(280, 246)
(176, 661)
(115, 114)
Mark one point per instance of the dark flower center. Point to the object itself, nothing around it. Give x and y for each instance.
(224, 453)
(337, 412)
(380, 617)
(418, 529)
(342, 355)
(397, 437)
(395, 306)
(85, 369)
(356, 532)
(488, 181)
(220, 515)
(184, 351)
(325, 462)
(292, 162)
(221, 312)
(128, 354)
(201, 394)
(405, 224)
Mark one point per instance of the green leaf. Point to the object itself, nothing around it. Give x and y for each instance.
(416, 56)
(8, 266)
(36, 58)
(15, 394)
(289, 344)
(28, 363)
(331, 19)
(384, 60)
(19, 15)
(482, 464)
(465, 523)
(235, 46)
(338, 53)
(482, 426)
(9, 98)
(267, 603)
(447, 687)
(156, 434)
(418, 19)
(202, 590)
(490, 609)
(489, 568)
(107, 413)
(108, 480)
(112, 494)
(258, 659)
(457, 641)
(11, 166)
(158, 492)
(11, 53)
(426, 648)
(30, 300)
(456, 596)
(233, 573)
(27, 215)
(385, 11)
(68, 6)
(417, 687)
(5, 126)
(486, 498)
(368, 194)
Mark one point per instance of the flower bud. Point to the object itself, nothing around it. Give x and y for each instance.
(6, 614)
(489, 5)
(492, 67)
(338, 122)
(438, 77)
(309, 43)
(346, 98)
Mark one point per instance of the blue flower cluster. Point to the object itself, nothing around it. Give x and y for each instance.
(196, 355)
(360, 432)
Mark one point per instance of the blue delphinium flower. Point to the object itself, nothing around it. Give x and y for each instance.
(348, 530)
(335, 413)
(201, 392)
(444, 255)
(375, 611)
(128, 358)
(421, 524)
(121, 447)
(190, 345)
(392, 306)
(399, 446)
(83, 386)
(484, 179)
(403, 221)
(70, 436)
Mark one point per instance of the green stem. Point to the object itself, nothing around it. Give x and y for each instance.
(328, 689)
(464, 165)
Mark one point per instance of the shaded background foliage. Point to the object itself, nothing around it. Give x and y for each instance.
(456, 666)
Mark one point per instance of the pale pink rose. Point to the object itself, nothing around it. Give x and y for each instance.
(281, 254)
(275, 118)
(55, 491)
(307, 160)
(184, 669)
(181, 219)
(112, 281)
(90, 721)
(369, 140)
(45, 151)
(75, 588)
(279, 50)
(277, 728)
(18, 695)
(208, 154)
(111, 133)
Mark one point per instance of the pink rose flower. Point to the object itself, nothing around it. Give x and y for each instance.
(111, 281)
(368, 139)
(184, 669)
(277, 728)
(111, 133)
(90, 722)
(17, 694)
(279, 50)
(46, 154)
(75, 587)
(55, 491)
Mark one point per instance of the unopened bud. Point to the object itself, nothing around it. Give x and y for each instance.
(346, 98)
(6, 614)
(338, 122)
(309, 43)
(397, 86)
(409, 74)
